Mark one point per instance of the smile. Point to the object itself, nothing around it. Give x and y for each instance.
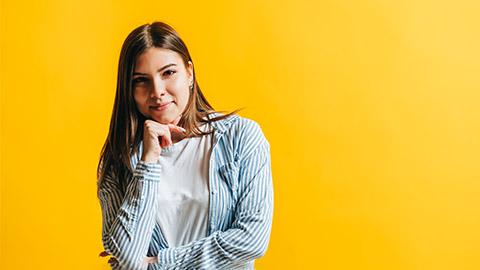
(161, 108)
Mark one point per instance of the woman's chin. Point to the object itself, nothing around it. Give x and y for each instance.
(164, 120)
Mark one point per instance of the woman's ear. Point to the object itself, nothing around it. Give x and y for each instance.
(190, 70)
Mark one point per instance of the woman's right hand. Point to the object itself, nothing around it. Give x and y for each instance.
(155, 137)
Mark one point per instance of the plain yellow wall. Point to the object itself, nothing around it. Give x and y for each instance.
(371, 108)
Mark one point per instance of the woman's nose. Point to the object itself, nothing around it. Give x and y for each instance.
(158, 89)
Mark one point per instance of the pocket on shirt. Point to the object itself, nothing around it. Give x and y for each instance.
(229, 173)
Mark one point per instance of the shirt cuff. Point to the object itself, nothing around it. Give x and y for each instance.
(167, 256)
(148, 170)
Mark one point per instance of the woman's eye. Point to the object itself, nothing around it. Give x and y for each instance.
(138, 80)
(169, 72)
(143, 79)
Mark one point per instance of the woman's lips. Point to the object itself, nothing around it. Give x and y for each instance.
(161, 107)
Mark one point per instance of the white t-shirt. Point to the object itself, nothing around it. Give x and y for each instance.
(183, 197)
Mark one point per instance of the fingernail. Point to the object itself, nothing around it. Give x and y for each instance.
(103, 254)
(184, 130)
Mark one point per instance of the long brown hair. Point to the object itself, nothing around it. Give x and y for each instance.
(126, 124)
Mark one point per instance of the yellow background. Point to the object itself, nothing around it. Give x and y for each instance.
(371, 108)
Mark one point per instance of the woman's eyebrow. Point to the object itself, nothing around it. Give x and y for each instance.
(159, 70)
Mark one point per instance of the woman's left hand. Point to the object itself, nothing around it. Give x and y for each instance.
(147, 260)
(150, 259)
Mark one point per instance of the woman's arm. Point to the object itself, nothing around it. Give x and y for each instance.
(248, 237)
(128, 220)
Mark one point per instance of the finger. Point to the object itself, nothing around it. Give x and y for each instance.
(165, 141)
(162, 133)
(168, 140)
(170, 126)
(150, 260)
(176, 128)
(168, 137)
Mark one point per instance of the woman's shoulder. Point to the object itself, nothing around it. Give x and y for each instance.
(238, 124)
(244, 132)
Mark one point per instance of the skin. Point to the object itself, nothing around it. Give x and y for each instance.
(160, 76)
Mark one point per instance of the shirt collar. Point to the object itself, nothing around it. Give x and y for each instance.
(222, 125)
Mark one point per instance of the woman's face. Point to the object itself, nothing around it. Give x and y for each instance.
(161, 85)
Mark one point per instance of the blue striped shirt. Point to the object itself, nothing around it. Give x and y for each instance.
(240, 208)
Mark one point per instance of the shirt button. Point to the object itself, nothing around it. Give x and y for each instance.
(214, 191)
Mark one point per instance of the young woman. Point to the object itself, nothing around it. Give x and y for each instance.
(181, 186)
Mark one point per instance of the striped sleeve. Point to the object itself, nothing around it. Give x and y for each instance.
(248, 237)
(128, 220)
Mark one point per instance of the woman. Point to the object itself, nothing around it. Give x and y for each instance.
(181, 186)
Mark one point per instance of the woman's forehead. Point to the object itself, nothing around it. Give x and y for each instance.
(156, 58)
